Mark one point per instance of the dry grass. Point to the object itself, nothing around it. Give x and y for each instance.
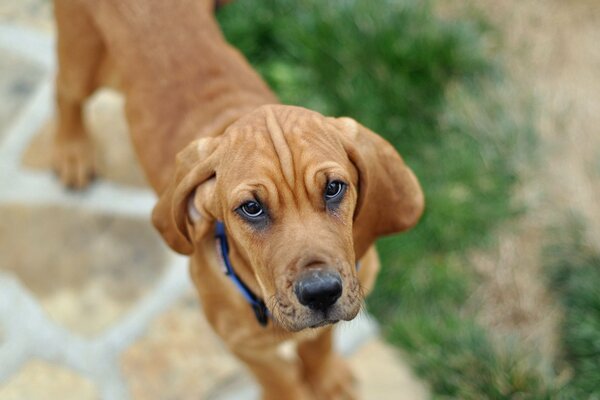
(551, 49)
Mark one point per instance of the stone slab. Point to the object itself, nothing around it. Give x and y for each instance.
(18, 79)
(85, 269)
(39, 380)
(384, 375)
(36, 14)
(179, 357)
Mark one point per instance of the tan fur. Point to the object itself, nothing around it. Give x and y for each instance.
(210, 136)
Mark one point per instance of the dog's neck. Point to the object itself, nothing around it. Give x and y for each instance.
(255, 301)
(243, 268)
(182, 80)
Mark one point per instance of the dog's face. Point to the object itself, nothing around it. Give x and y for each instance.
(287, 196)
(292, 188)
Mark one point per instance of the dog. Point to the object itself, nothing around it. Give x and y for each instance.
(277, 206)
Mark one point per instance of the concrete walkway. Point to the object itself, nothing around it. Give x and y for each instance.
(92, 303)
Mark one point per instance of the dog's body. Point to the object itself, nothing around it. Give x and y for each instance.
(302, 196)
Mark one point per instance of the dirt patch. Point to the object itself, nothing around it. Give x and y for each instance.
(551, 50)
(512, 300)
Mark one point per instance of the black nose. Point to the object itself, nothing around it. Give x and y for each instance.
(318, 288)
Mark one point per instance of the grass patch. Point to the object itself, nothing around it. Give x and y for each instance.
(426, 280)
(574, 272)
(427, 85)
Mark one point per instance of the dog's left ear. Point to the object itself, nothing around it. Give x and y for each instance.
(185, 209)
(390, 198)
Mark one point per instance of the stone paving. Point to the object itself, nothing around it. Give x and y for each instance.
(92, 303)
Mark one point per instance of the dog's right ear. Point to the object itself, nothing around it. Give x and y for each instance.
(186, 208)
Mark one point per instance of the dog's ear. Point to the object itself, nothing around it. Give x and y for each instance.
(390, 198)
(187, 206)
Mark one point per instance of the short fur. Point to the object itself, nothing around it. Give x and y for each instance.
(210, 135)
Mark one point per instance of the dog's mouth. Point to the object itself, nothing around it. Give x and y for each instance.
(296, 317)
(331, 317)
(303, 318)
(324, 323)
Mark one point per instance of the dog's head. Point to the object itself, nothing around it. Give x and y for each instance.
(302, 197)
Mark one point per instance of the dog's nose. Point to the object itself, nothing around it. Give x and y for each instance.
(318, 289)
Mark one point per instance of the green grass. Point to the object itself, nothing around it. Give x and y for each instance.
(428, 86)
(574, 272)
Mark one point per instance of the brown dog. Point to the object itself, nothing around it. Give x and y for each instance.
(301, 197)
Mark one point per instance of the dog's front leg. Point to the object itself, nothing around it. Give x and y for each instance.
(231, 318)
(80, 52)
(326, 372)
(279, 378)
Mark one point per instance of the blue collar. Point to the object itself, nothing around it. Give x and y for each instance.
(258, 305)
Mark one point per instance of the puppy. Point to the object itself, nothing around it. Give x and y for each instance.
(277, 206)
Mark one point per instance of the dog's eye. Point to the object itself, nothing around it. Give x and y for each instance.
(334, 190)
(252, 209)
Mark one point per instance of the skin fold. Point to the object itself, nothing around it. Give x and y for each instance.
(212, 138)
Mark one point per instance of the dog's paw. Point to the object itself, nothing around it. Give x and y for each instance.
(336, 382)
(300, 392)
(73, 162)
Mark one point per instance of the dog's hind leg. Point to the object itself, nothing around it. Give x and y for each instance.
(80, 54)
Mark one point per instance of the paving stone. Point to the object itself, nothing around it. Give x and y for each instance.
(383, 375)
(114, 155)
(39, 380)
(18, 79)
(178, 358)
(86, 270)
(36, 14)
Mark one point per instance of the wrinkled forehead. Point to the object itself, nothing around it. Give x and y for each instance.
(280, 140)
